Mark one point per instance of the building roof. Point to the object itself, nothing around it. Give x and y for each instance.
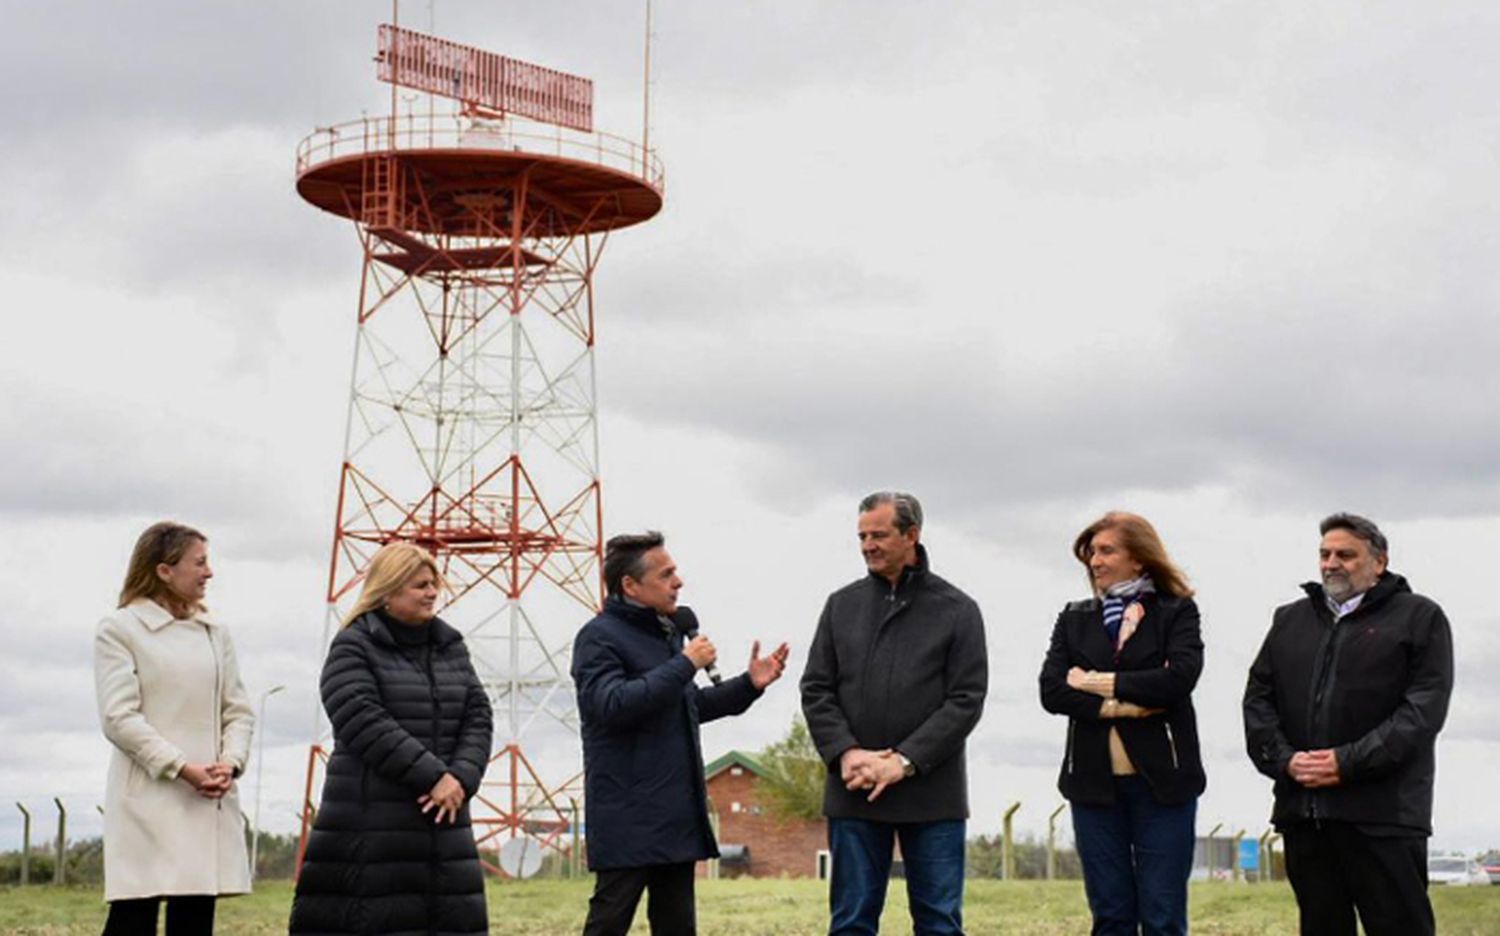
(732, 759)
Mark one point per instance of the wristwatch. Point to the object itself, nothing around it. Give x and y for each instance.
(907, 767)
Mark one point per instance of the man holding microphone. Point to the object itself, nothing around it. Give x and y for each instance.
(645, 799)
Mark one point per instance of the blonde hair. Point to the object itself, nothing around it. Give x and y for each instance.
(164, 542)
(392, 567)
(1144, 545)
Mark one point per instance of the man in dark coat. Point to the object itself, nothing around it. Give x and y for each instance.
(895, 682)
(645, 798)
(1342, 710)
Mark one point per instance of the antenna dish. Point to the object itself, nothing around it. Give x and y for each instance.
(521, 857)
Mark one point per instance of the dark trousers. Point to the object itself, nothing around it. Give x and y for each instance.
(187, 915)
(669, 906)
(932, 854)
(1137, 856)
(1335, 869)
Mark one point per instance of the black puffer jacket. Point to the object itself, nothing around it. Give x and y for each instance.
(644, 794)
(1157, 668)
(901, 668)
(401, 718)
(1374, 688)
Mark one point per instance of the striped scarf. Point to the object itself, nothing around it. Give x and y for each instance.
(1120, 596)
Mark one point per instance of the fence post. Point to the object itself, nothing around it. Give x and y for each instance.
(1263, 850)
(713, 824)
(1007, 851)
(1270, 852)
(1234, 856)
(1052, 841)
(25, 844)
(573, 862)
(1209, 847)
(59, 874)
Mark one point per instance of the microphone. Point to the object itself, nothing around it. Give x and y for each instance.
(687, 623)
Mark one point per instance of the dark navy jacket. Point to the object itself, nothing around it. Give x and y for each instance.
(645, 798)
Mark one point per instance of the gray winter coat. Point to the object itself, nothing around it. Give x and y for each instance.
(901, 667)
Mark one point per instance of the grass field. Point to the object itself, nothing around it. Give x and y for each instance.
(773, 908)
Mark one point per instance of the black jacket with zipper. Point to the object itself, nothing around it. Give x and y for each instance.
(375, 862)
(1157, 668)
(1373, 687)
(903, 668)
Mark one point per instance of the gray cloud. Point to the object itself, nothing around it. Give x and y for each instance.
(1211, 283)
(1476, 692)
(174, 63)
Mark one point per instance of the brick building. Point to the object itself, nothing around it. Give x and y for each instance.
(753, 842)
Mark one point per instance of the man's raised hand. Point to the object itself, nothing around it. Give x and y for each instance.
(766, 670)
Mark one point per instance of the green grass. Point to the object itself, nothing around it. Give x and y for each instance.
(772, 908)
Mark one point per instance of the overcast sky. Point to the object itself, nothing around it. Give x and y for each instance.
(1229, 265)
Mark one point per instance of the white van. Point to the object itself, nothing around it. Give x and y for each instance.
(1454, 868)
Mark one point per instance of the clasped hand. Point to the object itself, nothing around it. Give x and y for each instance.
(446, 796)
(863, 769)
(1314, 769)
(210, 781)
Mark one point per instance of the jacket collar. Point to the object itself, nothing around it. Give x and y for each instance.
(633, 614)
(913, 575)
(1387, 585)
(371, 623)
(154, 617)
(1095, 605)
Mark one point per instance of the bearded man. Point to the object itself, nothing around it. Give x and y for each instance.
(1342, 710)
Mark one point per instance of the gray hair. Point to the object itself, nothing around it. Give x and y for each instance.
(908, 508)
(1361, 527)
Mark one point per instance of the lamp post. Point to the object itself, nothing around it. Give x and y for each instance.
(260, 769)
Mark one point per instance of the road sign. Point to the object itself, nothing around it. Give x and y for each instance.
(1249, 855)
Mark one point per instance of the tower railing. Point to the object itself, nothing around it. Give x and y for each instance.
(416, 132)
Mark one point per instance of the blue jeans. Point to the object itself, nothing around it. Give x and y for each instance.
(1137, 856)
(933, 854)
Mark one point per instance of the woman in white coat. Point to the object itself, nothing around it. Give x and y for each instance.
(171, 703)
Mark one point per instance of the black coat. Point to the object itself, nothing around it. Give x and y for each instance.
(1374, 687)
(903, 668)
(1157, 668)
(645, 801)
(375, 863)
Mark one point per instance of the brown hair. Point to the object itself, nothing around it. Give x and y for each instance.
(1144, 545)
(391, 568)
(164, 542)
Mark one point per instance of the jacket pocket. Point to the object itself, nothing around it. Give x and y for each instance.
(1071, 723)
(1172, 745)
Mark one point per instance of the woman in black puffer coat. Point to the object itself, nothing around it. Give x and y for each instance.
(392, 850)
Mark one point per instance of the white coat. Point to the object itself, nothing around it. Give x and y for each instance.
(169, 694)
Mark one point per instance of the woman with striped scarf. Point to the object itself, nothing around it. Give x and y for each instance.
(1122, 666)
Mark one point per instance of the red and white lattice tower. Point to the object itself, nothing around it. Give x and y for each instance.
(472, 412)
